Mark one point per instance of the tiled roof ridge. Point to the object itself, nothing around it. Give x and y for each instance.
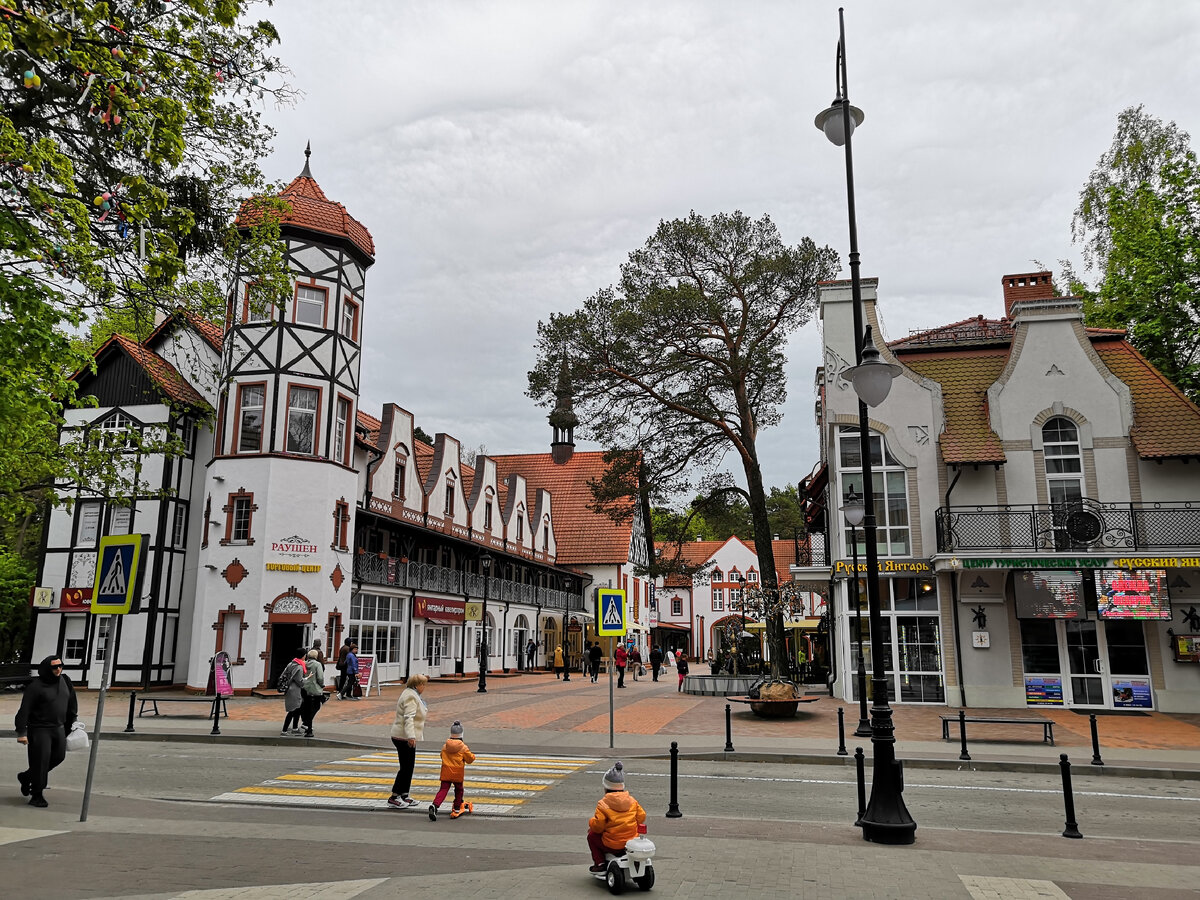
(312, 210)
(159, 370)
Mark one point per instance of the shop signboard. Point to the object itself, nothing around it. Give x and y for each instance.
(1132, 693)
(366, 672)
(221, 683)
(1186, 647)
(1048, 594)
(1043, 690)
(1133, 594)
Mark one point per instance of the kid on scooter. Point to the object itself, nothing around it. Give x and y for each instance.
(617, 818)
(456, 756)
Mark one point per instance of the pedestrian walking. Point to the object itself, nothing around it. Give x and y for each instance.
(531, 654)
(351, 673)
(681, 666)
(313, 691)
(621, 656)
(635, 661)
(341, 669)
(456, 756)
(595, 655)
(320, 652)
(47, 712)
(559, 668)
(656, 658)
(292, 681)
(407, 729)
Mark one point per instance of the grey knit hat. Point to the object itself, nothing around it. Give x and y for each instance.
(456, 730)
(614, 778)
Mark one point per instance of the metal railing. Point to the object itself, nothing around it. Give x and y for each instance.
(1080, 525)
(371, 568)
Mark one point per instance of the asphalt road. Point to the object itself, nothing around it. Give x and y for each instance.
(1013, 802)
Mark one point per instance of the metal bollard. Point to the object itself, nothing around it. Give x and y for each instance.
(1072, 829)
(673, 807)
(728, 729)
(216, 729)
(962, 734)
(1096, 760)
(861, 764)
(841, 751)
(129, 724)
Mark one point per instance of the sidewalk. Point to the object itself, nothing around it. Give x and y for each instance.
(540, 714)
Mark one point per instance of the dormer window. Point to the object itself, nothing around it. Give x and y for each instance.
(520, 526)
(450, 485)
(716, 575)
(487, 516)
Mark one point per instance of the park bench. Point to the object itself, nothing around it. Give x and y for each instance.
(154, 699)
(774, 709)
(1046, 725)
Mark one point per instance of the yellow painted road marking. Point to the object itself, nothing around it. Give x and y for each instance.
(471, 783)
(359, 795)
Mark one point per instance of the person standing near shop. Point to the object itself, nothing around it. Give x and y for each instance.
(47, 712)
(408, 728)
(656, 658)
(595, 655)
(621, 657)
(351, 673)
(314, 691)
(531, 654)
(341, 669)
(635, 660)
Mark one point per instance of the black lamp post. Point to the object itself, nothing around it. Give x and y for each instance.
(854, 512)
(485, 561)
(886, 819)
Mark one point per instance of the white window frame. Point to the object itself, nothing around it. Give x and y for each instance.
(298, 413)
(308, 298)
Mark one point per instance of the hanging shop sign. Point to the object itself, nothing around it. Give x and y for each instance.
(897, 568)
(1186, 647)
(429, 608)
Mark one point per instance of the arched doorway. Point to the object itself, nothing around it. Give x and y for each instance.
(289, 626)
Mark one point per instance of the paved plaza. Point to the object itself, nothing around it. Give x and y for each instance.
(136, 844)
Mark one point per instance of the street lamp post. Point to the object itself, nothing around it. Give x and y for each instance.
(886, 819)
(485, 561)
(854, 512)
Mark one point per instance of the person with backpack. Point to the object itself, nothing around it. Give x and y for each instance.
(291, 685)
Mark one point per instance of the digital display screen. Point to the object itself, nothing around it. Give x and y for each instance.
(1048, 593)
(1132, 594)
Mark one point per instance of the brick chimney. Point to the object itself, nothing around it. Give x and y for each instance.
(1030, 286)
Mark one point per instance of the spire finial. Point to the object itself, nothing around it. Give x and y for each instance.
(307, 153)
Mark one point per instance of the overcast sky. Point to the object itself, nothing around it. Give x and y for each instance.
(507, 156)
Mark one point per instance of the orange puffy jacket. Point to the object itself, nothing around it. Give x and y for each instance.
(455, 755)
(617, 817)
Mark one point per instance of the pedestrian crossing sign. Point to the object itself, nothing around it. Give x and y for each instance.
(119, 574)
(610, 612)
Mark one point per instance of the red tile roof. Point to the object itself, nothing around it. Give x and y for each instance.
(584, 537)
(162, 373)
(1165, 422)
(696, 553)
(313, 211)
(213, 334)
(967, 357)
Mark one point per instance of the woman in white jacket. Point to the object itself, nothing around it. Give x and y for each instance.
(407, 729)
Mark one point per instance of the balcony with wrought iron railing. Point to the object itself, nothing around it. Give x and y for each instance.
(371, 568)
(1077, 526)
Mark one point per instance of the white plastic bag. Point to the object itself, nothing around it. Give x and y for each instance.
(77, 737)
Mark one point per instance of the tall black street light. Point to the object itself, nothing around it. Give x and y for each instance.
(854, 511)
(485, 562)
(886, 819)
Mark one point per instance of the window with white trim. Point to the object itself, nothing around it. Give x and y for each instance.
(302, 419)
(310, 305)
(677, 606)
(179, 529)
(349, 320)
(341, 425)
(1064, 461)
(889, 480)
(251, 399)
(718, 599)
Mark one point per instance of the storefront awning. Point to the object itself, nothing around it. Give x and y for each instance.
(637, 626)
(670, 626)
(801, 624)
(442, 620)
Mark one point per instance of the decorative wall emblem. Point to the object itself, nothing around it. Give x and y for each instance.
(980, 616)
(337, 577)
(1055, 370)
(834, 367)
(919, 434)
(290, 604)
(235, 573)
(1192, 619)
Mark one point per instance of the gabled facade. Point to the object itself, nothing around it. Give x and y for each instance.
(1036, 489)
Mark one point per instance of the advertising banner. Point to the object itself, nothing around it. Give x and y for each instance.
(1043, 690)
(1132, 693)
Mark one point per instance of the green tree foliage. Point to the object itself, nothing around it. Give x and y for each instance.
(1139, 222)
(682, 362)
(129, 132)
(16, 579)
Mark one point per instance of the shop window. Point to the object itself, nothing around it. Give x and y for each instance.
(310, 305)
(302, 419)
(376, 622)
(1039, 646)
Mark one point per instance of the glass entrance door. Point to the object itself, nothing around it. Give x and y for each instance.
(1085, 662)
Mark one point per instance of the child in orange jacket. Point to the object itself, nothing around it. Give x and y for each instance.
(456, 755)
(617, 818)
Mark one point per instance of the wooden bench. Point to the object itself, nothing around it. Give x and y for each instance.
(1046, 725)
(155, 699)
(774, 709)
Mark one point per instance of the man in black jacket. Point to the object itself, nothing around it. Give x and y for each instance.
(595, 654)
(656, 658)
(48, 710)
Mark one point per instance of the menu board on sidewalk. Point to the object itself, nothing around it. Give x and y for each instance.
(366, 673)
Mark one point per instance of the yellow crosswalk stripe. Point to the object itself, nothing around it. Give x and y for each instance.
(362, 795)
